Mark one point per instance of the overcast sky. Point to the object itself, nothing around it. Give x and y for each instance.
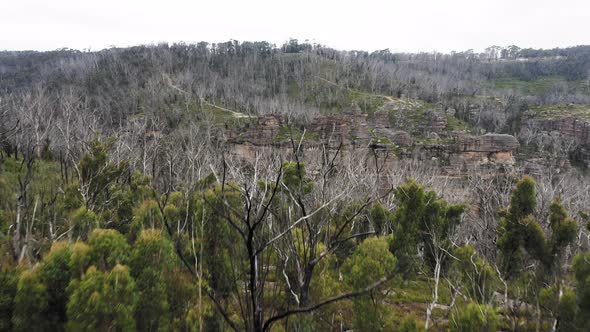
(410, 25)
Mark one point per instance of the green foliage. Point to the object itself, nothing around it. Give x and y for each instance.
(8, 283)
(72, 198)
(566, 312)
(98, 175)
(185, 307)
(529, 87)
(81, 259)
(286, 133)
(534, 238)
(217, 236)
(372, 261)
(108, 248)
(519, 232)
(581, 268)
(549, 298)
(424, 219)
(55, 274)
(102, 301)
(564, 309)
(83, 221)
(125, 201)
(564, 231)
(475, 274)
(147, 214)
(294, 177)
(381, 218)
(518, 229)
(475, 318)
(30, 304)
(411, 324)
(151, 262)
(523, 200)
(5, 194)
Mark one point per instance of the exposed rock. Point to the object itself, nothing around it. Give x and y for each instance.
(437, 122)
(568, 136)
(355, 131)
(504, 157)
(379, 119)
(263, 133)
(402, 138)
(536, 166)
(471, 153)
(570, 126)
(485, 143)
(433, 136)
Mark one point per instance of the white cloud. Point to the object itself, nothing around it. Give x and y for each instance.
(370, 24)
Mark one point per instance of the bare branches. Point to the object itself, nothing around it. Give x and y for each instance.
(270, 321)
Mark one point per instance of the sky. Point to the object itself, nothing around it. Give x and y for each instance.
(405, 26)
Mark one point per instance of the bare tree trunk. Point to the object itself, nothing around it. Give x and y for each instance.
(432, 304)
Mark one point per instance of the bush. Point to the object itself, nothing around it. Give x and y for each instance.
(475, 318)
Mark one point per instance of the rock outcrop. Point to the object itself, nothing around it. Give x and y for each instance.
(562, 133)
(486, 143)
(573, 127)
(263, 132)
(350, 129)
(354, 131)
(471, 153)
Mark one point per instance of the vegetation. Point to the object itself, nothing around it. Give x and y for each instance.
(128, 201)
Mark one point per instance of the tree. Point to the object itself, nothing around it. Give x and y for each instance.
(152, 260)
(8, 287)
(370, 262)
(250, 209)
(581, 268)
(102, 301)
(82, 222)
(97, 175)
(567, 312)
(422, 219)
(55, 275)
(476, 277)
(107, 248)
(30, 304)
(563, 232)
(520, 233)
(518, 229)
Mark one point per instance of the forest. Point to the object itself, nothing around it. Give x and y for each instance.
(247, 186)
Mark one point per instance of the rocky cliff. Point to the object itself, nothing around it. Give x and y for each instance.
(372, 135)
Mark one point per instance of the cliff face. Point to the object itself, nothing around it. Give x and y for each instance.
(481, 150)
(559, 133)
(371, 135)
(571, 126)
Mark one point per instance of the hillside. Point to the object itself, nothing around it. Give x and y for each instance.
(254, 187)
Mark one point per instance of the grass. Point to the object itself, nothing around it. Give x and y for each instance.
(580, 111)
(538, 86)
(418, 290)
(45, 174)
(218, 115)
(454, 124)
(369, 103)
(285, 134)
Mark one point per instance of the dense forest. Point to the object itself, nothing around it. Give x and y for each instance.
(124, 205)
